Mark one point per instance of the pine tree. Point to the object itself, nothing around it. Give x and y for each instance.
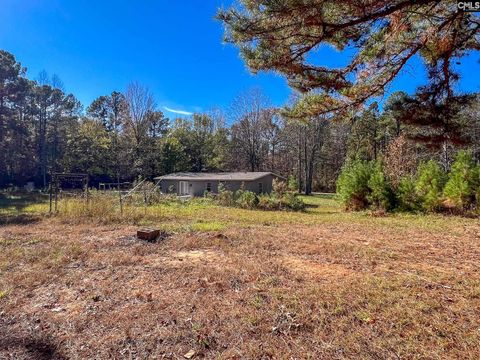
(462, 181)
(429, 185)
(281, 36)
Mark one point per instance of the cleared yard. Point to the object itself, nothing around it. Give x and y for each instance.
(232, 283)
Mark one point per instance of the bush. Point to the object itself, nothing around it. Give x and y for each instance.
(380, 193)
(429, 185)
(407, 195)
(279, 187)
(249, 200)
(352, 185)
(246, 199)
(209, 195)
(286, 202)
(292, 183)
(268, 202)
(293, 202)
(462, 185)
(225, 197)
(364, 184)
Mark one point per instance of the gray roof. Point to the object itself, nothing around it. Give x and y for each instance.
(224, 176)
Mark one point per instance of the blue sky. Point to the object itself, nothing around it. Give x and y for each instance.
(173, 47)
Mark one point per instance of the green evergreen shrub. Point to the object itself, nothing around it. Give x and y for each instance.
(407, 195)
(429, 185)
(292, 183)
(462, 185)
(364, 184)
(380, 195)
(352, 184)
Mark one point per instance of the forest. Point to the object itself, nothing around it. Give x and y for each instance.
(123, 135)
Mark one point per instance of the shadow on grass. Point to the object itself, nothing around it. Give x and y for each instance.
(17, 203)
(21, 219)
(19, 344)
(328, 196)
(41, 349)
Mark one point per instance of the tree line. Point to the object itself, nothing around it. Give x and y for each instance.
(122, 136)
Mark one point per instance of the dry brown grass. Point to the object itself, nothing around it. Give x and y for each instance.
(335, 290)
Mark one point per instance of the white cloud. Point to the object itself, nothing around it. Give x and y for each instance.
(181, 112)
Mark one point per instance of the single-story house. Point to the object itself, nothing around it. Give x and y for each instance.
(196, 184)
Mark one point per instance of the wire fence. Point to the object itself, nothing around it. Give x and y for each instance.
(107, 200)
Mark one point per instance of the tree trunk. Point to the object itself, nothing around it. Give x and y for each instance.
(309, 177)
(300, 187)
(42, 149)
(445, 156)
(273, 158)
(252, 162)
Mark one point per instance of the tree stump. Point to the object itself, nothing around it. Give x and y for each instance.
(148, 234)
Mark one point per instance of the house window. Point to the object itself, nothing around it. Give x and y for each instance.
(183, 185)
(260, 188)
(208, 187)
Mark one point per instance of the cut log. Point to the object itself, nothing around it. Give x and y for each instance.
(148, 234)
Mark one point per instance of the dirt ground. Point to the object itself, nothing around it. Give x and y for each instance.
(329, 291)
